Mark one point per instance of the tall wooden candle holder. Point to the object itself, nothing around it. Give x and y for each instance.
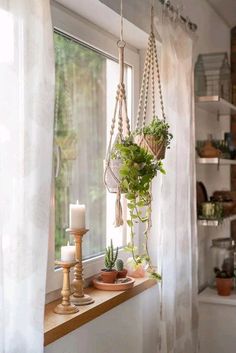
(66, 307)
(78, 297)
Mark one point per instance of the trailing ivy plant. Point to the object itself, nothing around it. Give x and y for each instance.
(138, 168)
(159, 129)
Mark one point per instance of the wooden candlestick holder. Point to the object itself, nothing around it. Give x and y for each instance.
(78, 297)
(66, 307)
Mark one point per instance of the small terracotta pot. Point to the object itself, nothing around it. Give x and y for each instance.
(122, 274)
(224, 286)
(108, 276)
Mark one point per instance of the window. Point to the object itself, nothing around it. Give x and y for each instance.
(84, 102)
(87, 74)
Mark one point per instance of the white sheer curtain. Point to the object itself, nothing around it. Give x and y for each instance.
(175, 198)
(26, 134)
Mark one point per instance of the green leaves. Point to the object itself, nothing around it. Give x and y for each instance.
(138, 168)
(158, 129)
(131, 206)
(155, 275)
(130, 223)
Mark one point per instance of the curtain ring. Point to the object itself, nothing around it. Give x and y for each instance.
(121, 43)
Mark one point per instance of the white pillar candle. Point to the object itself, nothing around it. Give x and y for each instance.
(77, 216)
(68, 253)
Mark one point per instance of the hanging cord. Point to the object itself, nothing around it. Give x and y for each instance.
(141, 97)
(120, 94)
(121, 20)
(159, 80)
(121, 113)
(151, 66)
(146, 87)
(121, 44)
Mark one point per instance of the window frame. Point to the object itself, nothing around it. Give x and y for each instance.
(89, 34)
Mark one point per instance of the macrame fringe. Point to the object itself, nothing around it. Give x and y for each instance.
(118, 210)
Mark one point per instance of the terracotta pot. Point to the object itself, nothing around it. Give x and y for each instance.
(108, 276)
(122, 274)
(224, 286)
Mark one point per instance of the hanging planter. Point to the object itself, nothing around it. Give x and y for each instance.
(154, 137)
(137, 171)
(113, 162)
(141, 160)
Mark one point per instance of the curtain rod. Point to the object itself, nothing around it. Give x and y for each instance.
(166, 3)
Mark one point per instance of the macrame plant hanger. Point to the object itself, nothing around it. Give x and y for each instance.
(112, 164)
(150, 73)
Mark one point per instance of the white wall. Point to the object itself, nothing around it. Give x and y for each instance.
(133, 326)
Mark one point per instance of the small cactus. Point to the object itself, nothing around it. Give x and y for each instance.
(110, 257)
(119, 265)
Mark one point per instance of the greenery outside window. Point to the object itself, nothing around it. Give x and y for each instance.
(85, 94)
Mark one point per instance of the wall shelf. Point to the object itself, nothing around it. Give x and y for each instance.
(210, 296)
(214, 223)
(216, 161)
(215, 105)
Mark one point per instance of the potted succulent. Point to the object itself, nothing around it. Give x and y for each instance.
(138, 168)
(109, 274)
(122, 272)
(224, 282)
(155, 137)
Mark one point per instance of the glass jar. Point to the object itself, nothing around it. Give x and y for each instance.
(222, 257)
(212, 75)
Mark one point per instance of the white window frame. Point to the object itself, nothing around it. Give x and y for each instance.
(88, 33)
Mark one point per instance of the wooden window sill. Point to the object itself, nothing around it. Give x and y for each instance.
(57, 326)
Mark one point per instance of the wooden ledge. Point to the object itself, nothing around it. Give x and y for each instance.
(57, 326)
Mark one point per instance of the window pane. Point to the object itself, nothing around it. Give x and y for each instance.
(84, 103)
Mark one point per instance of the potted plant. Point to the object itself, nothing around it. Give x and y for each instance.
(212, 210)
(109, 274)
(122, 272)
(138, 168)
(155, 137)
(224, 281)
